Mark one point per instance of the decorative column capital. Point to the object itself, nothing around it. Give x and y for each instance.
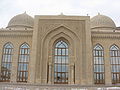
(72, 65)
(50, 60)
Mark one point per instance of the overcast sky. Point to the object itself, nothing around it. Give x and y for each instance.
(10, 8)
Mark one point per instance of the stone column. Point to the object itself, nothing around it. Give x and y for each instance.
(108, 80)
(72, 73)
(50, 77)
(71, 70)
(50, 74)
(14, 64)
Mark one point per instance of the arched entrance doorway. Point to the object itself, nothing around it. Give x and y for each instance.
(61, 62)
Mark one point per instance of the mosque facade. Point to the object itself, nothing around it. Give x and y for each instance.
(60, 49)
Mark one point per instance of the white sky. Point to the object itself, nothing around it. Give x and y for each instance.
(10, 8)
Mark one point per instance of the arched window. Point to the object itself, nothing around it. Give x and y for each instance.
(23, 62)
(61, 63)
(99, 74)
(6, 62)
(115, 63)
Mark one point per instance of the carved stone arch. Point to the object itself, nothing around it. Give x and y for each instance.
(24, 43)
(99, 45)
(65, 38)
(8, 43)
(60, 32)
(114, 45)
(48, 43)
(61, 38)
(59, 27)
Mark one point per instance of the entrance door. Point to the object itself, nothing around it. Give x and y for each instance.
(61, 63)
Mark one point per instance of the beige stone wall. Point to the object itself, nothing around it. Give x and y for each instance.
(17, 38)
(75, 31)
(106, 39)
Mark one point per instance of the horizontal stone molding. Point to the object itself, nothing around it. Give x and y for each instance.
(106, 35)
(16, 86)
(15, 33)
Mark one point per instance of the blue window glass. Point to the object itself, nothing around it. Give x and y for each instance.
(23, 63)
(98, 56)
(61, 63)
(6, 62)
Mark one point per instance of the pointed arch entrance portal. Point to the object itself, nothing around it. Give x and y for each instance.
(61, 62)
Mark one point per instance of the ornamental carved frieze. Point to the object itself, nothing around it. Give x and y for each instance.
(109, 35)
(44, 28)
(14, 33)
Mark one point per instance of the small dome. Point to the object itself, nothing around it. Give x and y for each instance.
(22, 21)
(102, 21)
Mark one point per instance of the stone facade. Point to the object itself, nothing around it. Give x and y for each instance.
(47, 30)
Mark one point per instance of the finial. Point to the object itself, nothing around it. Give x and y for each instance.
(87, 14)
(61, 13)
(98, 13)
(25, 12)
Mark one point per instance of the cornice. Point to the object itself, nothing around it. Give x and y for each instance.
(62, 17)
(16, 33)
(110, 35)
